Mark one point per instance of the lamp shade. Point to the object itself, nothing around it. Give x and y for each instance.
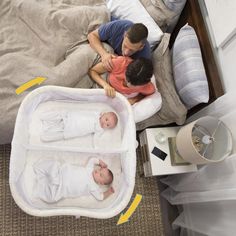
(206, 140)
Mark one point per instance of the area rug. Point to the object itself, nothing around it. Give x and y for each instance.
(146, 220)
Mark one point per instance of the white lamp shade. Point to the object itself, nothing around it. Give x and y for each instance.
(214, 138)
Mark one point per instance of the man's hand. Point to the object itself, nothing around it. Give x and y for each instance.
(110, 91)
(107, 61)
(102, 164)
(136, 99)
(132, 100)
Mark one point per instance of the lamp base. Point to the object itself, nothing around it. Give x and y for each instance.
(175, 158)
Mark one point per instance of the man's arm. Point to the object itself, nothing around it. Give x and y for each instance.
(136, 98)
(95, 73)
(96, 44)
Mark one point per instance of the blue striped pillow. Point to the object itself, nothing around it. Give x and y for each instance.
(189, 73)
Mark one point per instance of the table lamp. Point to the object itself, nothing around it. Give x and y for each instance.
(206, 140)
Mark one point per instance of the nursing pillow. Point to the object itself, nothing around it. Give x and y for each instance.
(148, 106)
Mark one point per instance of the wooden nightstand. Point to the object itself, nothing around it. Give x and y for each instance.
(154, 165)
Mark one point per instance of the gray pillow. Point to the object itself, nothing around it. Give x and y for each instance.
(174, 5)
(159, 12)
(165, 13)
(177, 7)
(189, 72)
(172, 110)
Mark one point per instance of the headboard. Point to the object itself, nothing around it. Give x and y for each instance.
(192, 14)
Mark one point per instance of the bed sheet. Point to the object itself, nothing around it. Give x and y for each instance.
(46, 38)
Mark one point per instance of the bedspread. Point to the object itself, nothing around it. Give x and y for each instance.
(45, 38)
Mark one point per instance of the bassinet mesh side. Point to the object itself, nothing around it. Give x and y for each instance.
(21, 146)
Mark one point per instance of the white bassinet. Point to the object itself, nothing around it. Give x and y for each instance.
(116, 147)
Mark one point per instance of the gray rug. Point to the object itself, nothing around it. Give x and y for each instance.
(146, 220)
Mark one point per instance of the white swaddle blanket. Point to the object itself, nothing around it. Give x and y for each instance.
(92, 140)
(56, 180)
(65, 125)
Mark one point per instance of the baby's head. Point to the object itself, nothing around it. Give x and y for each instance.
(108, 120)
(102, 176)
(139, 71)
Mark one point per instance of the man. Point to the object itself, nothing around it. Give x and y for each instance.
(125, 37)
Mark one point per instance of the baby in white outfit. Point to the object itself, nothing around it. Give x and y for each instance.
(69, 124)
(56, 181)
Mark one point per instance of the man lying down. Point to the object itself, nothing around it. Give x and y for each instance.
(56, 181)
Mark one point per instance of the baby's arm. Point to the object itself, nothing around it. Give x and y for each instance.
(102, 164)
(107, 193)
(102, 195)
(92, 162)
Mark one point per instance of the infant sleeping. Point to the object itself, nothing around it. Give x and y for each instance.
(65, 125)
(56, 181)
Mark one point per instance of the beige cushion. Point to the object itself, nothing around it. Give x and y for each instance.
(172, 110)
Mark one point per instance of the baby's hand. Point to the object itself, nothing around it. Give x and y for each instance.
(108, 192)
(111, 190)
(102, 164)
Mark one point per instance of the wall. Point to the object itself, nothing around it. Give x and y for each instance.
(220, 19)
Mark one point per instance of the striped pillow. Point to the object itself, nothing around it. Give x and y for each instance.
(189, 73)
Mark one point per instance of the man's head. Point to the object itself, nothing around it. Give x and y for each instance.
(134, 39)
(102, 176)
(108, 120)
(139, 71)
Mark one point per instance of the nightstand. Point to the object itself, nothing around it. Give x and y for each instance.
(153, 165)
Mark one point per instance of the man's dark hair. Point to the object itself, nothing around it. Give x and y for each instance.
(139, 71)
(137, 33)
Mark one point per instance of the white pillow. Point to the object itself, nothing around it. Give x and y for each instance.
(189, 72)
(148, 106)
(134, 11)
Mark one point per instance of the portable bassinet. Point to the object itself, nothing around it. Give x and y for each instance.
(25, 148)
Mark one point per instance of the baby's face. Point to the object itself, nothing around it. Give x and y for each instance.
(108, 120)
(101, 175)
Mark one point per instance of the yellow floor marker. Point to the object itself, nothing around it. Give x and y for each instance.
(25, 86)
(125, 217)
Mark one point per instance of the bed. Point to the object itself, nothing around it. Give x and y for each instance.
(172, 21)
(39, 38)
